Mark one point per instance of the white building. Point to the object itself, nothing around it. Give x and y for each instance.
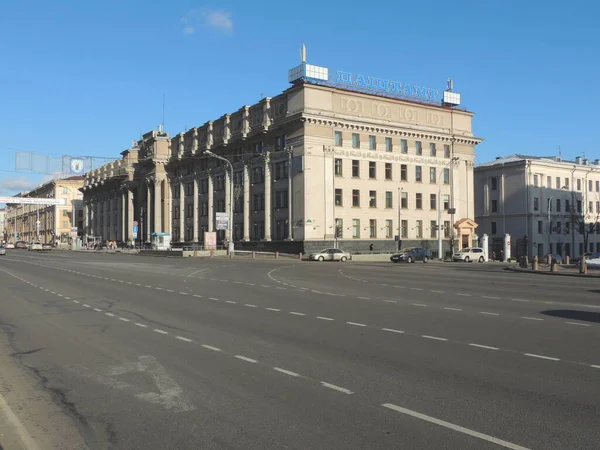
(546, 204)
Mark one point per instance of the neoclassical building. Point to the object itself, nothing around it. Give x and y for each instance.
(321, 164)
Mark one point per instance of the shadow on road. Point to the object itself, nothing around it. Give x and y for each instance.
(573, 314)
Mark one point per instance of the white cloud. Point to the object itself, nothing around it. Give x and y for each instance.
(11, 186)
(219, 21)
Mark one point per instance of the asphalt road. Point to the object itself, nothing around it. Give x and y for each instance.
(144, 352)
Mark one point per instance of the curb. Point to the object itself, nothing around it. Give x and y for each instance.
(563, 274)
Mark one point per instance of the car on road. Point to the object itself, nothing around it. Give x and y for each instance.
(410, 255)
(469, 255)
(21, 244)
(2, 251)
(47, 247)
(9, 245)
(37, 246)
(330, 254)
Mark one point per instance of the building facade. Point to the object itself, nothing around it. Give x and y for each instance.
(315, 166)
(547, 205)
(48, 223)
(3, 225)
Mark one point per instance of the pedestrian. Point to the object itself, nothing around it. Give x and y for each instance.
(371, 248)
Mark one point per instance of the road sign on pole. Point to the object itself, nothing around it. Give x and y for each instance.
(222, 221)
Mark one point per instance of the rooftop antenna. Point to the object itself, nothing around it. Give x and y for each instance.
(303, 53)
(162, 125)
(559, 152)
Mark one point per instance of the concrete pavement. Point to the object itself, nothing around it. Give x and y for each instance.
(279, 354)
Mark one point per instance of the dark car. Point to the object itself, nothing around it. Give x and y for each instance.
(410, 255)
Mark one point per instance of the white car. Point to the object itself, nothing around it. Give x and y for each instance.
(9, 245)
(2, 251)
(470, 254)
(35, 246)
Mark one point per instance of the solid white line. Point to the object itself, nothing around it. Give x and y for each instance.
(533, 355)
(210, 347)
(98, 310)
(438, 292)
(579, 324)
(297, 313)
(244, 358)
(124, 319)
(484, 346)
(453, 309)
(356, 324)
(488, 313)
(324, 318)
(433, 337)
(392, 330)
(287, 372)
(161, 331)
(465, 295)
(273, 309)
(250, 306)
(141, 325)
(419, 304)
(531, 318)
(492, 298)
(110, 314)
(181, 338)
(336, 388)
(454, 427)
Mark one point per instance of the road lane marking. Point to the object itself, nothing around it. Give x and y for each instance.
(579, 324)
(519, 300)
(197, 295)
(124, 319)
(416, 289)
(273, 309)
(67, 298)
(184, 293)
(210, 347)
(158, 288)
(250, 284)
(230, 301)
(426, 336)
(97, 310)
(324, 318)
(356, 324)
(245, 358)
(464, 295)
(158, 330)
(184, 339)
(316, 292)
(213, 299)
(533, 355)
(490, 297)
(287, 372)
(336, 388)
(110, 314)
(484, 346)
(488, 313)
(60, 295)
(250, 305)
(400, 287)
(453, 309)
(391, 301)
(391, 330)
(297, 313)
(531, 318)
(141, 325)
(454, 427)
(169, 290)
(595, 366)
(282, 288)
(264, 285)
(365, 298)
(419, 304)
(75, 301)
(87, 306)
(237, 282)
(437, 292)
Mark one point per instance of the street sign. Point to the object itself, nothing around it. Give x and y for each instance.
(135, 223)
(135, 230)
(222, 220)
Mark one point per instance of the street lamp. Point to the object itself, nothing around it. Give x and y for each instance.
(439, 221)
(400, 189)
(230, 245)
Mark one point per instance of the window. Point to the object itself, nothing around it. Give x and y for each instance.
(446, 151)
(355, 140)
(338, 139)
(536, 180)
(258, 175)
(259, 202)
(598, 208)
(446, 228)
(372, 199)
(404, 200)
(591, 186)
(338, 167)
(432, 175)
(419, 229)
(389, 229)
(579, 206)
(418, 174)
(559, 227)
(597, 186)
(388, 199)
(372, 169)
(432, 149)
(446, 202)
(578, 184)
(536, 204)
(189, 211)
(567, 183)
(558, 183)
(338, 197)
(419, 201)
(558, 205)
(433, 228)
(403, 172)
(446, 176)
(540, 226)
(372, 143)
(356, 168)
(339, 228)
(432, 201)
(372, 228)
(388, 171)
(494, 206)
(403, 146)
(494, 230)
(355, 228)
(404, 229)
(548, 182)
(388, 144)
(494, 182)
(590, 207)
(258, 147)
(355, 198)
(567, 206)
(65, 191)
(418, 148)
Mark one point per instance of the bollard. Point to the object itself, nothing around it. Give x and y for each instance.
(535, 265)
(212, 253)
(567, 259)
(553, 266)
(253, 255)
(582, 265)
(276, 255)
(300, 256)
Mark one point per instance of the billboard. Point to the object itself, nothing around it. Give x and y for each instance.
(210, 240)
(33, 201)
(222, 220)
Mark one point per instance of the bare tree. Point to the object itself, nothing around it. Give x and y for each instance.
(585, 220)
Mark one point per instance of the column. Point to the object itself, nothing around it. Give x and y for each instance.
(247, 210)
(328, 192)
(228, 200)
(181, 211)
(148, 217)
(196, 222)
(114, 217)
(130, 214)
(105, 218)
(211, 196)
(94, 217)
(167, 210)
(121, 230)
(157, 206)
(267, 197)
(290, 236)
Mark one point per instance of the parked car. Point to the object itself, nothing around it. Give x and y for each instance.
(469, 254)
(2, 251)
(35, 246)
(47, 247)
(9, 245)
(410, 255)
(21, 244)
(330, 254)
(589, 255)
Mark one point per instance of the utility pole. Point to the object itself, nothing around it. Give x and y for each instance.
(399, 217)
(230, 246)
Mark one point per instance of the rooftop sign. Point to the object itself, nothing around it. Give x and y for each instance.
(389, 86)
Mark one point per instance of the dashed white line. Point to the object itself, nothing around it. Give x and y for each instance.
(237, 282)
(336, 388)
(250, 284)
(264, 285)
(287, 372)
(391, 330)
(452, 309)
(210, 347)
(419, 304)
(488, 313)
(282, 288)
(356, 324)
(169, 290)
(124, 319)
(158, 288)
(401, 287)
(519, 300)
(595, 366)
(141, 325)
(438, 292)
(452, 426)
(250, 305)
(324, 318)
(464, 295)
(273, 309)
(184, 293)
(75, 301)
(484, 346)
(184, 339)
(245, 358)
(60, 295)
(435, 338)
(490, 297)
(110, 314)
(224, 281)
(87, 306)
(579, 324)
(531, 318)
(97, 310)
(383, 284)
(365, 298)
(197, 295)
(230, 301)
(415, 289)
(391, 301)
(158, 330)
(297, 313)
(533, 355)
(67, 298)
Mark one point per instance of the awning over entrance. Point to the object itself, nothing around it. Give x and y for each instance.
(465, 230)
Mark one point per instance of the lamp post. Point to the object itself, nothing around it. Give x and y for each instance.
(439, 221)
(230, 245)
(400, 217)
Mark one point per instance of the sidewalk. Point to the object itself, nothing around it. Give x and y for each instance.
(562, 271)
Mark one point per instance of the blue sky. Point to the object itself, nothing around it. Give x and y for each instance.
(84, 78)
